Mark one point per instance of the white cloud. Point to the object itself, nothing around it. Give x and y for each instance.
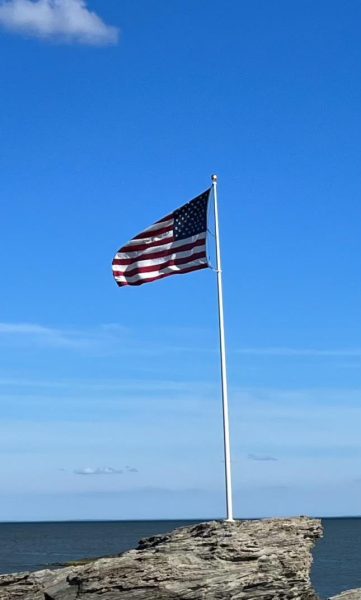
(34, 333)
(98, 471)
(103, 339)
(66, 20)
(97, 338)
(104, 471)
(23, 328)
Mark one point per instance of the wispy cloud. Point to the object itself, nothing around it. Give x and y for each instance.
(90, 387)
(98, 471)
(24, 328)
(313, 352)
(64, 20)
(48, 336)
(103, 339)
(104, 470)
(106, 338)
(262, 457)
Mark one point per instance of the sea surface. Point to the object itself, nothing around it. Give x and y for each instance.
(31, 546)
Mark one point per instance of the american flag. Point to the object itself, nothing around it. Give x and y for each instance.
(174, 245)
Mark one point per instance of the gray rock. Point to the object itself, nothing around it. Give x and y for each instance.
(250, 560)
(349, 595)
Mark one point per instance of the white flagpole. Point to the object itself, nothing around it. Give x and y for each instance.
(222, 342)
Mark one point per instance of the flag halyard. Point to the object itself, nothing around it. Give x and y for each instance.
(176, 244)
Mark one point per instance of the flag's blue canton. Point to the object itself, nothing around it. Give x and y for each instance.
(191, 218)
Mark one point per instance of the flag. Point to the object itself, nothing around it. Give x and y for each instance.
(174, 245)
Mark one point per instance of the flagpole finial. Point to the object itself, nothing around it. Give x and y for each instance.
(214, 178)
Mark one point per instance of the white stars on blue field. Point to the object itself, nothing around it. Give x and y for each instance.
(191, 218)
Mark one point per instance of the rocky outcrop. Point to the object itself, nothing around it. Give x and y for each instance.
(250, 560)
(349, 595)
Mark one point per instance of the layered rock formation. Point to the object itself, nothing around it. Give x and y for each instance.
(349, 595)
(250, 560)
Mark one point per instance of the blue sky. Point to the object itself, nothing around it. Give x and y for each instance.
(111, 115)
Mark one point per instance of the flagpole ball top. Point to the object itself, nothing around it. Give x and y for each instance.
(214, 178)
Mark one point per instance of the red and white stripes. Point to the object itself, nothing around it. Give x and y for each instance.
(155, 253)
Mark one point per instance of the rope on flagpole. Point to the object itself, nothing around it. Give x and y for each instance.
(222, 344)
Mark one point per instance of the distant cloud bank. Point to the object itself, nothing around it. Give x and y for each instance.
(64, 20)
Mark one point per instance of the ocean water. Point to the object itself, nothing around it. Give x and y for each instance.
(337, 557)
(31, 546)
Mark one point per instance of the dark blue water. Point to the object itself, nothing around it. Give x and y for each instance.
(337, 557)
(31, 546)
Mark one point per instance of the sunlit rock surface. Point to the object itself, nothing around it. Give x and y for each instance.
(249, 560)
(349, 595)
